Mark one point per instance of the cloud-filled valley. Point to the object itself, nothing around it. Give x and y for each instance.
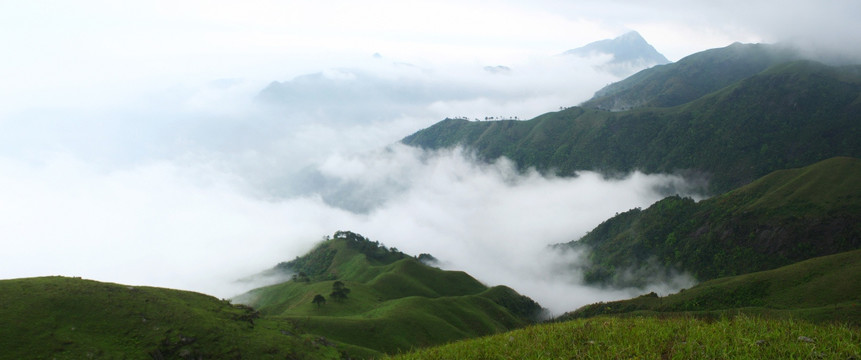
(191, 159)
(193, 226)
(197, 187)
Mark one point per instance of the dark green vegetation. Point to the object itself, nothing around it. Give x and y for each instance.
(785, 217)
(71, 318)
(395, 302)
(689, 78)
(744, 114)
(823, 289)
(740, 337)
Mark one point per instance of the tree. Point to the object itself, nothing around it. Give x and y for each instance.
(339, 291)
(319, 300)
(301, 276)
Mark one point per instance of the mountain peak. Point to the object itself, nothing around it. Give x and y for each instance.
(631, 36)
(630, 53)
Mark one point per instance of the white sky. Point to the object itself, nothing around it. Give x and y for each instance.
(131, 150)
(55, 47)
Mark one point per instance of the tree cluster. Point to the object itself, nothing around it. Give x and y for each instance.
(339, 291)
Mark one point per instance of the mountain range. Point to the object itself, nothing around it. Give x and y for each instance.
(774, 137)
(787, 115)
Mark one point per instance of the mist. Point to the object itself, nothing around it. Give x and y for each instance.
(190, 145)
(201, 185)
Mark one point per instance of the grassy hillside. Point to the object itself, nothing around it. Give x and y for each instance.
(72, 318)
(785, 217)
(740, 337)
(689, 78)
(820, 289)
(788, 115)
(395, 303)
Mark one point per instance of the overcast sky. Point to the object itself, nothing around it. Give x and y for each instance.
(72, 49)
(133, 149)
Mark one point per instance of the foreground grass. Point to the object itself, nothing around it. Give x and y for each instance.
(73, 318)
(740, 337)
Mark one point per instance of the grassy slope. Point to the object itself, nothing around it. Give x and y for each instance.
(689, 78)
(820, 289)
(71, 318)
(393, 305)
(740, 337)
(789, 115)
(785, 217)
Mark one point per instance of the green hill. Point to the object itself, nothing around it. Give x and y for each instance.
(395, 302)
(72, 318)
(819, 289)
(787, 115)
(785, 217)
(690, 78)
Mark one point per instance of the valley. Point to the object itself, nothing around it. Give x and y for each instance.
(771, 139)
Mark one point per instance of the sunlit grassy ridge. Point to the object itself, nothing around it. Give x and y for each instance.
(395, 303)
(740, 337)
(72, 318)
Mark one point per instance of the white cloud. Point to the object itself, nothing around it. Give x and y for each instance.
(123, 158)
(198, 228)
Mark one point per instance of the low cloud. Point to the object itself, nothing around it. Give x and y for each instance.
(497, 223)
(196, 187)
(196, 227)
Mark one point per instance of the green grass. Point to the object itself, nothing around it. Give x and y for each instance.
(412, 322)
(395, 303)
(72, 318)
(739, 337)
(827, 184)
(820, 289)
(782, 218)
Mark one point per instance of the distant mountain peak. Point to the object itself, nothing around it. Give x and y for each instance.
(630, 53)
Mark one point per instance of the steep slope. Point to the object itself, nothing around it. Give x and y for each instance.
(789, 115)
(71, 318)
(782, 218)
(818, 289)
(394, 303)
(689, 78)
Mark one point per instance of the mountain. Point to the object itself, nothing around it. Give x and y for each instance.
(394, 303)
(630, 52)
(690, 78)
(72, 318)
(782, 218)
(819, 289)
(788, 115)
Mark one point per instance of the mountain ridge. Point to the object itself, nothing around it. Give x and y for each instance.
(789, 115)
(782, 218)
(691, 77)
